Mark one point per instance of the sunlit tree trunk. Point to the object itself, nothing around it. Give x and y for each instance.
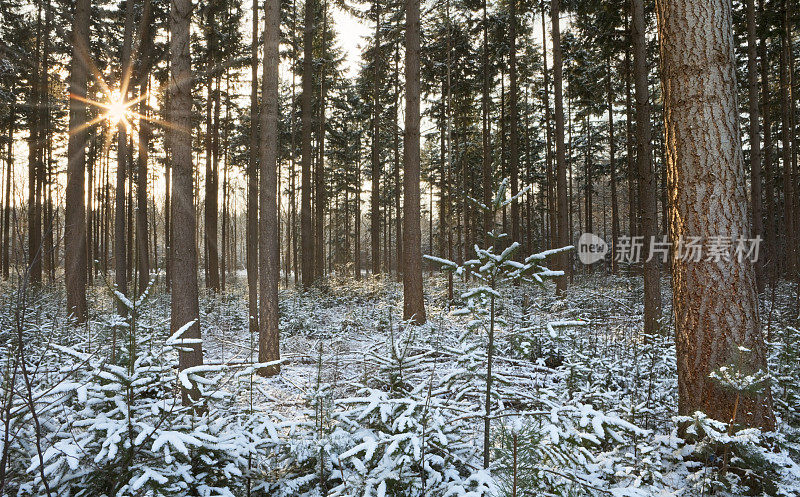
(184, 307)
(268, 239)
(120, 215)
(142, 236)
(413, 301)
(75, 213)
(715, 302)
(644, 157)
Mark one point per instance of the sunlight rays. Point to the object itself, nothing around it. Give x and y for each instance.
(117, 109)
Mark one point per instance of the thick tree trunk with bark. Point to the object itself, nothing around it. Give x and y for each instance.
(75, 260)
(184, 307)
(715, 302)
(268, 238)
(561, 166)
(644, 159)
(413, 300)
(306, 234)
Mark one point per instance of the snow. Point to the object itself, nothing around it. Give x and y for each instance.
(575, 381)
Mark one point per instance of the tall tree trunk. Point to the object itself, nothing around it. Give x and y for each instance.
(413, 300)
(319, 171)
(225, 238)
(449, 165)
(630, 162)
(142, 237)
(251, 230)
(612, 165)
(75, 213)
(306, 234)
(34, 158)
(770, 254)
(486, 164)
(503, 143)
(357, 225)
(91, 214)
(106, 207)
(268, 239)
(715, 302)
(293, 153)
(787, 142)
(514, 139)
(589, 187)
(168, 219)
(129, 224)
(46, 150)
(185, 308)
(398, 220)
(549, 177)
(120, 234)
(375, 208)
(212, 173)
(756, 228)
(561, 166)
(9, 174)
(644, 160)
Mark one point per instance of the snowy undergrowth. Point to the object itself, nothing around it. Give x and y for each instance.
(364, 405)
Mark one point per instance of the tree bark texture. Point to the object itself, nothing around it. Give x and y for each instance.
(715, 302)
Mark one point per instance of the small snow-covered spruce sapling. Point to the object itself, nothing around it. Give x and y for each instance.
(121, 430)
(738, 457)
(494, 269)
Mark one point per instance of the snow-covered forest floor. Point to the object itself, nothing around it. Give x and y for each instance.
(583, 403)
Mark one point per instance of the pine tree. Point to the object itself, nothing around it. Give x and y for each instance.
(185, 308)
(715, 301)
(75, 263)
